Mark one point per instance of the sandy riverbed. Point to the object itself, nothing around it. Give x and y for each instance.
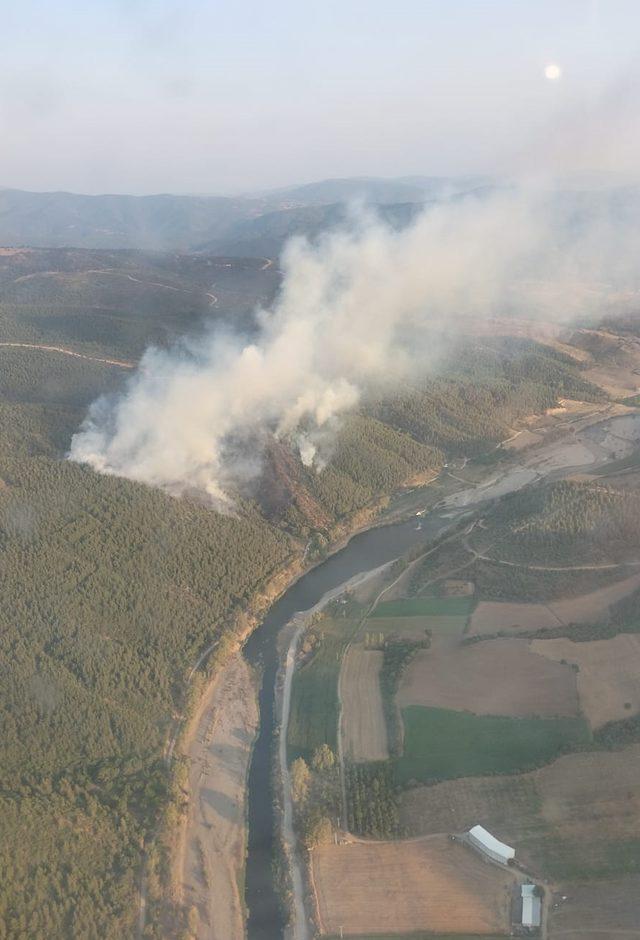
(214, 840)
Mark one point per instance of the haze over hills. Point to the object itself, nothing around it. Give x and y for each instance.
(243, 224)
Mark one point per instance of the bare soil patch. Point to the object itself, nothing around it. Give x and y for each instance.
(398, 887)
(560, 455)
(522, 439)
(608, 677)
(499, 677)
(577, 817)
(212, 861)
(363, 722)
(591, 607)
(494, 616)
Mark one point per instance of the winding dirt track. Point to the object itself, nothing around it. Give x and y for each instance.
(119, 363)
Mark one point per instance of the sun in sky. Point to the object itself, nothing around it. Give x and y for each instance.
(552, 72)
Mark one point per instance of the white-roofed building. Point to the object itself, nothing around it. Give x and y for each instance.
(531, 906)
(490, 846)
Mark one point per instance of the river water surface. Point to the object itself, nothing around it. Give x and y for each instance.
(364, 552)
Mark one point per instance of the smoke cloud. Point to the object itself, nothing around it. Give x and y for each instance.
(359, 308)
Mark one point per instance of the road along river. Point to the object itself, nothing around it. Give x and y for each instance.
(364, 552)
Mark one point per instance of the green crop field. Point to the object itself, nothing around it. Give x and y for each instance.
(313, 719)
(425, 607)
(416, 627)
(440, 744)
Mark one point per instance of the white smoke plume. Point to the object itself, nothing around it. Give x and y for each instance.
(354, 311)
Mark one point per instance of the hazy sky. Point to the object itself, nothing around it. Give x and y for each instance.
(202, 96)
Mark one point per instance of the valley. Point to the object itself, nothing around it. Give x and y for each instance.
(123, 627)
(467, 648)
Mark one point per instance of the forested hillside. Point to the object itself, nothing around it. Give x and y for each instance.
(566, 522)
(111, 590)
(115, 303)
(480, 391)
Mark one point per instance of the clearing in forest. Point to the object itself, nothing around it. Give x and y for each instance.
(608, 674)
(363, 722)
(431, 884)
(499, 677)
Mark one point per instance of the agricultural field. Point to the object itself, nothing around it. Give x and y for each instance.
(418, 935)
(424, 607)
(315, 709)
(608, 674)
(491, 617)
(431, 884)
(606, 910)
(415, 628)
(364, 725)
(414, 618)
(576, 818)
(440, 744)
(498, 677)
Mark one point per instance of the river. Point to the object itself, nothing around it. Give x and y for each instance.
(364, 552)
(616, 436)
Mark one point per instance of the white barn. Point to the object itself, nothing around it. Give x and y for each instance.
(531, 906)
(490, 846)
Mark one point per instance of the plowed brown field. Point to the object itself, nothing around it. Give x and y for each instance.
(428, 884)
(499, 677)
(363, 724)
(494, 616)
(608, 676)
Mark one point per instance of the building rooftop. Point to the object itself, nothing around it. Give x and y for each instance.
(531, 911)
(490, 842)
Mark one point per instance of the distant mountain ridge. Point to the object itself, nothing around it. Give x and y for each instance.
(258, 224)
(252, 224)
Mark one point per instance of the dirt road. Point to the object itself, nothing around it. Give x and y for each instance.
(120, 363)
(212, 850)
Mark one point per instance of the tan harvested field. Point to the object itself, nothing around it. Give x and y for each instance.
(576, 817)
(494, 616)
(499, 677)
(616, 381)
(363, 724)
(589, 607)
(601, 910)
(428, 884)
(608, 677)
